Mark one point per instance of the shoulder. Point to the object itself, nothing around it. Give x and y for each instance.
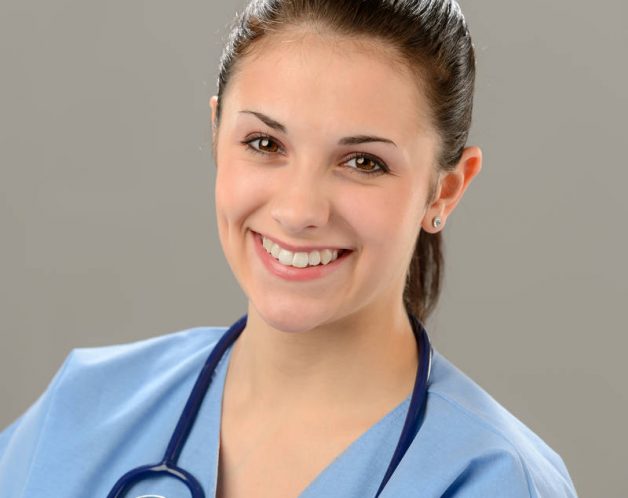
(159, 354)
(91, 372)
(109, 373)
(112, 386)
(162, 348)
(109, 376)
(484, 444)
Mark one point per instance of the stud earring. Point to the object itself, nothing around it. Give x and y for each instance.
(436, 222)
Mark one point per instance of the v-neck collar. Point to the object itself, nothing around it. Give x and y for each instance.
(346, 470)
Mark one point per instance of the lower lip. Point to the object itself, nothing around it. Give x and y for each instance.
(292, 273)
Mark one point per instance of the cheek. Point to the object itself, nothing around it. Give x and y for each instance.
(385, 219)
(237, 191)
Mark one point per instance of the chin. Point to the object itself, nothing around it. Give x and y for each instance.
(291, 317)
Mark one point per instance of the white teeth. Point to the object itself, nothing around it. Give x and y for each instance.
(314, 258)
(285, 257)
(325, 256)
(299, 259)
(267, 243)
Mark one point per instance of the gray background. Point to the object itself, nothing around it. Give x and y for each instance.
(107, 221)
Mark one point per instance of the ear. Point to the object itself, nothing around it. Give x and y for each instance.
(213, 104)
(451, 186)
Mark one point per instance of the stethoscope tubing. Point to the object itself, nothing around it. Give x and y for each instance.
(168, 465)
(416, 410)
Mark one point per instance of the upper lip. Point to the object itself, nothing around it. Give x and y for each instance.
(293, 248)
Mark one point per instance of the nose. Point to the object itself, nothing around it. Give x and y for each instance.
(301, 201)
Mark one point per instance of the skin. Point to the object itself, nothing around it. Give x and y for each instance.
(338, 349)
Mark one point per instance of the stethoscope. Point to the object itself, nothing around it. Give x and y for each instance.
(168, 466)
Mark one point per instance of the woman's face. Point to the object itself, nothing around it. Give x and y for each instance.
(323, 144)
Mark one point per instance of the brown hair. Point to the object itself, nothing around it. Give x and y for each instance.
(433, 39)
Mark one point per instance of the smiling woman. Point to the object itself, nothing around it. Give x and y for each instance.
(339, 137)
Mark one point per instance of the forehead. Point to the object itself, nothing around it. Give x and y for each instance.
(314, 78)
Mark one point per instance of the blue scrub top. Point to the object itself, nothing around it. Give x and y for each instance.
(111, 409)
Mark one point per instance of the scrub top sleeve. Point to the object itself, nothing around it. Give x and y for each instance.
(6, 435)
(19, 441)
(504, 473)
(498, 473)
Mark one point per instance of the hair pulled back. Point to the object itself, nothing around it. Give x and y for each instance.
(432, 38)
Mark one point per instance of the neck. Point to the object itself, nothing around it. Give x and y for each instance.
(369, 357)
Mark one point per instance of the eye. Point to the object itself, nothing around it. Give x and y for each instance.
(367, 165)
(363, 164)
(265, 144)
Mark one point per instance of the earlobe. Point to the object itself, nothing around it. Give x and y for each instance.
(451, 187)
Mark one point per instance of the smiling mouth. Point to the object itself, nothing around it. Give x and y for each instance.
(301, 259)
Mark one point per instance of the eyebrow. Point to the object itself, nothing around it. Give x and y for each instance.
(353, 140)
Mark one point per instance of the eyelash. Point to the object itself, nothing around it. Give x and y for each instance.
(383, 169)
